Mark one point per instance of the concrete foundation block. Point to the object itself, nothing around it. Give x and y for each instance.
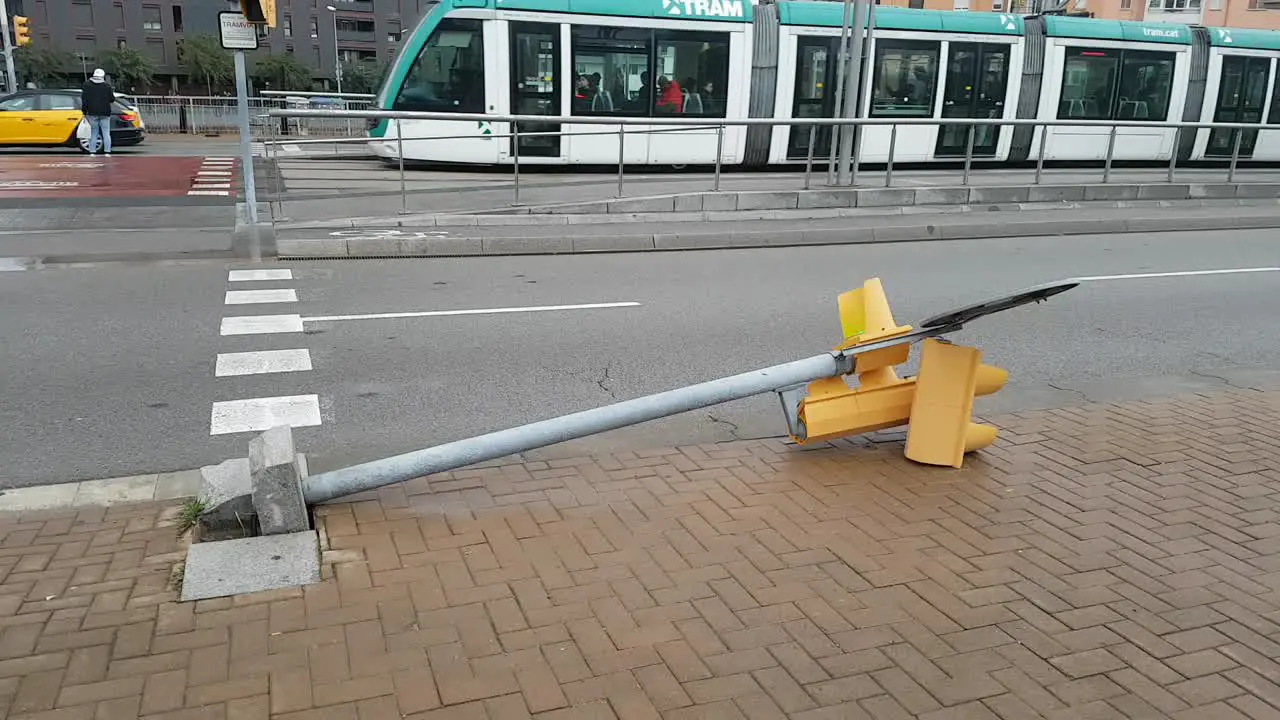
(1257, 190)
(886, 197)
(907, 233)
(942, 196)
(323, 247)
(226, 492)
(235, 567)
(612, 243)
(577, 209)
(767, 201)
(1055, 193)
(990, 195)
(526, 246)
(277, 483)
(809, 199)
(1111, 192)
(1164, 191)
(719, 202)
(1211, 190)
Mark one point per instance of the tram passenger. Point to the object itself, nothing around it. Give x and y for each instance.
(670, 99)
(582, 94)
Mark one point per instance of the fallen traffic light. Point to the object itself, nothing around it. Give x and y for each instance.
(941, 428)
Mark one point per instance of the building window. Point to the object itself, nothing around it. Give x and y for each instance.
(906, 77)
(177, 18)
(122, 43)
(1264, 4)
(1116, 85)
(916, 4)
(960, 5)
(1174, 5)
(82, 14)
(315, 28)
(448, 75)
(1126, 4)
(151, 19)
(288, 26)
(997, 5)
(117, 11)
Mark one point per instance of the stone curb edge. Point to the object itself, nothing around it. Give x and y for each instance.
(718, 240)
(154, 487)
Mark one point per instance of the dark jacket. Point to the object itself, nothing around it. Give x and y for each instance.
(96, 99)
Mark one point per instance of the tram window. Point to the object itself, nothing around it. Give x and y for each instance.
(1273, 115)
(906, 78)
(1088, 84)
(448, 75)
(611, 67)
(1146, 82)
(693, 73)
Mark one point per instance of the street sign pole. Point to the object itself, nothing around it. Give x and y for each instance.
(852, 90)
(238, 34)
(12, 77)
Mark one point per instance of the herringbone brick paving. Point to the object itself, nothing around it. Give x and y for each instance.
(1114, 561)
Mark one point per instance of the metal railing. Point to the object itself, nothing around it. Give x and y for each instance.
(206, 115)
(838, 125)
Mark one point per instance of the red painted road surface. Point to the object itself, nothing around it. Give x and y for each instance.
(83, 176)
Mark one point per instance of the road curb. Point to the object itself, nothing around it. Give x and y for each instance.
(153, 487)
(699, 238)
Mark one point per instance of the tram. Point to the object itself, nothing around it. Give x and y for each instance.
(732, 59)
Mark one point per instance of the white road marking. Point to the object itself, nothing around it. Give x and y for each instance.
(219, 158)
(256, 414)
(220, 193)
(261, 324)
(211, 186)
(253, 297)
(1184, 273)
(219, 173)
(480, 311)
(262, 363)
(251, 275)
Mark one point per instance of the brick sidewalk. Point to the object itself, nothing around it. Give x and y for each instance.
(1100, 562)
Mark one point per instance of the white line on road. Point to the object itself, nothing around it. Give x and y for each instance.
(256, 414)
(220, 193)
(479, 311)
(262, 363)
(211, 186)
(1184, 273)
(252, 297)
(251, 275)
(261, 324)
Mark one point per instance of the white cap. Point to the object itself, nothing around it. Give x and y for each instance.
(99, 74)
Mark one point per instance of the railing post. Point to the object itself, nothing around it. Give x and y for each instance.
(1235, 156)
(808, 161)
(515, 156)
(893, 143)
(1173, 157)
(404, 192)
(968, 153)
(855, 154)
(273, 160)
(622, 154)
(1044, 135)
(719, 152)
(1111, 151)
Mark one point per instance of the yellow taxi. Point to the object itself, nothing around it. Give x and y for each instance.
(51, 118)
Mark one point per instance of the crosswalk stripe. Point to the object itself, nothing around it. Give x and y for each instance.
(261, 324)
(254, 297)
(257, 414)
(262, 362)
(264, 274)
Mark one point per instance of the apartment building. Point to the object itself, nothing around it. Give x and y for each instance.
(1257, 14)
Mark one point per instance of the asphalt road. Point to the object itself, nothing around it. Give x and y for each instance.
(109, 368)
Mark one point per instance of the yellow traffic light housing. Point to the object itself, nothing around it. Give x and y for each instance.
(21, 31)
(941, 428)
(261, 12)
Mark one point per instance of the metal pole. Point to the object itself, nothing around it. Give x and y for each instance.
(340, 483)
(8, 49)
(246, 146)
(1235, 156)
(888, 168)
(968, 152)
(1111, 150)
(1044, 135)
(404, 193)
(273, 161)
(863, 63)
(1173, 157)
(719, 151)
(337, 54)
(515, 156)
(622, 154)
(853, 94)
(841, 63)
(808, 161)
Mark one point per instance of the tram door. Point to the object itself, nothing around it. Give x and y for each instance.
(1242, 92)
(977, 80)
(815, 96)
(535, 85)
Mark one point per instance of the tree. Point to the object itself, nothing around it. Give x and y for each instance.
(130, 68)
(363, 76)
(206, 62)
(45, 66)
(281, 72)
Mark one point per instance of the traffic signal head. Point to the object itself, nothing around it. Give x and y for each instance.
(941, 428)
(262, 12)
(21, 30)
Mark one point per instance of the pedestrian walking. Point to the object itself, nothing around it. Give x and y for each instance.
(95, 102)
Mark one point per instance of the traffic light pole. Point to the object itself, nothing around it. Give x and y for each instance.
(246, 144)
(11, 76)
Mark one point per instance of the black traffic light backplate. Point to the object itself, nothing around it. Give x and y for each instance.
(960, 316)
